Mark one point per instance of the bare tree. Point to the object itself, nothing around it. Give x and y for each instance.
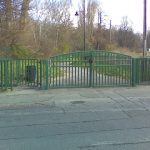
(24, 13)
(8, 12)
(91, 12)
(125, 34)
(52, 25)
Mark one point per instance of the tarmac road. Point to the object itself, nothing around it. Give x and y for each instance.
(75, 119)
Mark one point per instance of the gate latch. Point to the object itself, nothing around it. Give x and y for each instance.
(90, 60)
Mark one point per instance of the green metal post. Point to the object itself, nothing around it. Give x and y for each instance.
(11, 75)
(133, 76)
(41, 73)
(90, 61)
(47, 70)
(5, 74)
(2, 74)
(137, 71)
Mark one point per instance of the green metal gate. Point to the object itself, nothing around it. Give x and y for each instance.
(90, 69)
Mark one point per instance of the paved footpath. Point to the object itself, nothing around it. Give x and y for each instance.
(75, 119)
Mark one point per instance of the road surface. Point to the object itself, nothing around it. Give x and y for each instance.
(75, 119)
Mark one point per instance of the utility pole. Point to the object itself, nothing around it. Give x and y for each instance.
(145, 29)
(110, 31)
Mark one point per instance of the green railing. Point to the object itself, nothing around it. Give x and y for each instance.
(23, 72)
(142, 67)
(76, 69)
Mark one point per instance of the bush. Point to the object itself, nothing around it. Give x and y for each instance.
(21, 52)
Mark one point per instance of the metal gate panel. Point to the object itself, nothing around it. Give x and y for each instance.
(90, 69)
(70, 70)
(111, 69)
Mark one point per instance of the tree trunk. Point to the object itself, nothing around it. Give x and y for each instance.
(9, 13)
(24, 13)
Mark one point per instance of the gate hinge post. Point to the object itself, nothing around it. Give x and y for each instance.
(134, 73)
(91, 68)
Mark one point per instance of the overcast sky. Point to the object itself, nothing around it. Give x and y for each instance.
(116, 9)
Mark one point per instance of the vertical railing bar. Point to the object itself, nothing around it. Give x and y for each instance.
(76, 59)
(119, 70)
(41, 73)
(81, 67)
(108, 69)
(5, 74)
(99, 69)
(2, 73)
(37, 72)
(94, 73)
(46, 73)
(84, 70)
(30, 64)
(11, 75)
(54, 71)
(69, 55)
(59, 71)
(24, 69)
(105, 68)
(72, 69)
(124, 71)
(22, 80)
(121, 78)
(34, 74)
(17, 73)
(63, 73)
(97, 66)
(110, 77)
(56, 67)
(80, 57)
(116, 70)
(50, 72)
(87, 73)
(102, 69)
(28, 73)
(66, 79)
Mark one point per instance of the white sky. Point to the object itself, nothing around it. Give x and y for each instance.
(116, 9)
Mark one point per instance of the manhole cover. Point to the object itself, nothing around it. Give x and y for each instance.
(78, 102)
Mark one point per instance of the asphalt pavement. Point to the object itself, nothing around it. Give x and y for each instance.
(75, 119)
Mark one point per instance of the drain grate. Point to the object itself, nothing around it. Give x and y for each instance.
(77, 102)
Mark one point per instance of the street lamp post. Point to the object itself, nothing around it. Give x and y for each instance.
(84, 26)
